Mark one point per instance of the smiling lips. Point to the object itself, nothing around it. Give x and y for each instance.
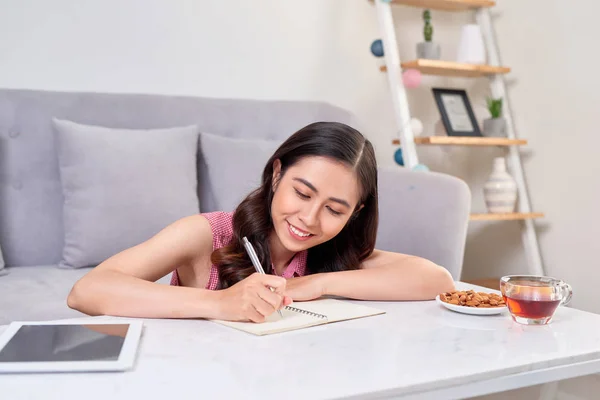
(298, 233)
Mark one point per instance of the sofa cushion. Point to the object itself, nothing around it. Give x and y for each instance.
(234, 166)
(39, 293)
(35, 293)
(122, 186)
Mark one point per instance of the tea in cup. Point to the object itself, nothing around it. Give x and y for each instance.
(532, 300)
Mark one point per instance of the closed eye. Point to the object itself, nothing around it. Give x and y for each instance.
(306, 197)
(302, 195)
(336, 213)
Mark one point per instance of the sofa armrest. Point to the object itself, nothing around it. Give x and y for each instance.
(425, 214)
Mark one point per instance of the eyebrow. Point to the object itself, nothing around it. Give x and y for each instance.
(314, 189)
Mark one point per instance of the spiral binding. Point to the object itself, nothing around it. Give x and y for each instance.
(312, 314)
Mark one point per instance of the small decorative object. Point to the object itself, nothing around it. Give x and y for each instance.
(420, 167)
(417, 126)
(456, 111)
(471, 49)
(496, 125)
(411, 78)
(377, 48)
(398, 157)
(428, 49)
(500, 191)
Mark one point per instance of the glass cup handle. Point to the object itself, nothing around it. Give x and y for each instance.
(567, 293)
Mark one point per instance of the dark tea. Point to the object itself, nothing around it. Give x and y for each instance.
(532, 300)
(534, 309)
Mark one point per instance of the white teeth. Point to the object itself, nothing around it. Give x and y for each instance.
(297, 232)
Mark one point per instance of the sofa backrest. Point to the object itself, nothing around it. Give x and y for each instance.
(31, 200)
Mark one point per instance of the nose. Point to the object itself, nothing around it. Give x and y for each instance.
(309, 215)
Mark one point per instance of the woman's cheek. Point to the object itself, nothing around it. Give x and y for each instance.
(332, 226)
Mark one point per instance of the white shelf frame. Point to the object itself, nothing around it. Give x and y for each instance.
(398, 91)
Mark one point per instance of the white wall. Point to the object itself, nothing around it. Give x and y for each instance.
(319, 50)
(555, 96)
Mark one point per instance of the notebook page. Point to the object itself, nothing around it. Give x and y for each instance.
(274, 324)
(338, 310)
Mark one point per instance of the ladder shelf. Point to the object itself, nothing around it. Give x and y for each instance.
(466, 141)
(504, 216)
(451, 68)
(447, 5)
(494, 72)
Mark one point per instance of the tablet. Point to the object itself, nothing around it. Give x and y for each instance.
(69, 346)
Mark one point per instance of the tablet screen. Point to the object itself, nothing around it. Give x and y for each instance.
(51, 343)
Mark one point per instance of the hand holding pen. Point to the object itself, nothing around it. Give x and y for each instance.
(251, 299)
(256, 263)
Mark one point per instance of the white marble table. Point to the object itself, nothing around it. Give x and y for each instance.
(417, 350)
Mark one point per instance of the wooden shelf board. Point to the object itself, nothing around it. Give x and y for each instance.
(504, 217)
(451, 68)
(466, 141)
(447, 5)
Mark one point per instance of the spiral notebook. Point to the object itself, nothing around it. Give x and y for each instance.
(305, 314)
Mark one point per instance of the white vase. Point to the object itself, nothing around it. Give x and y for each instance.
(471, 48)
(500, 191)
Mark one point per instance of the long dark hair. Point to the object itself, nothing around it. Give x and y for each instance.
(252, 218)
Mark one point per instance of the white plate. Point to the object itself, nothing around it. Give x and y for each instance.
(471, 310)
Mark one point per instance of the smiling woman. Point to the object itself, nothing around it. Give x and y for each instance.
(318, 196)
(313, 223)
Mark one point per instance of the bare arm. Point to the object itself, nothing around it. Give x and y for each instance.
(383, 276)
(123, 285)
(390, 276)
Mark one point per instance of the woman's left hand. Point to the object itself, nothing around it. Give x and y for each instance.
(305, 288)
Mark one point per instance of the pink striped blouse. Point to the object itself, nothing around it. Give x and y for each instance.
(221, 224)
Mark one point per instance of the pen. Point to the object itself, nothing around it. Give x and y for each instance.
(256, 262)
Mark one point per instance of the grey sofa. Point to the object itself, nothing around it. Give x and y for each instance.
(421, 213)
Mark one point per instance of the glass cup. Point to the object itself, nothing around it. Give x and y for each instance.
(532, 300)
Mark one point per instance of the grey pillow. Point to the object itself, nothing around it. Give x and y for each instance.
(122, 186)
(234, 166)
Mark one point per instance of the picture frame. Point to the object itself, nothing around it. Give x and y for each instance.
(456, 111)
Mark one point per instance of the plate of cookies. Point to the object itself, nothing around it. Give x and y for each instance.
(472, 302)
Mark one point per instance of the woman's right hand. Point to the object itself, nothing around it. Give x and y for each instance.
(251, 299)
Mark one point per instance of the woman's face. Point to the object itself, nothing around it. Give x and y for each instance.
(313, 201)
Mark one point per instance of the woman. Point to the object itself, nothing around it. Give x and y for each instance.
(313, 223)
